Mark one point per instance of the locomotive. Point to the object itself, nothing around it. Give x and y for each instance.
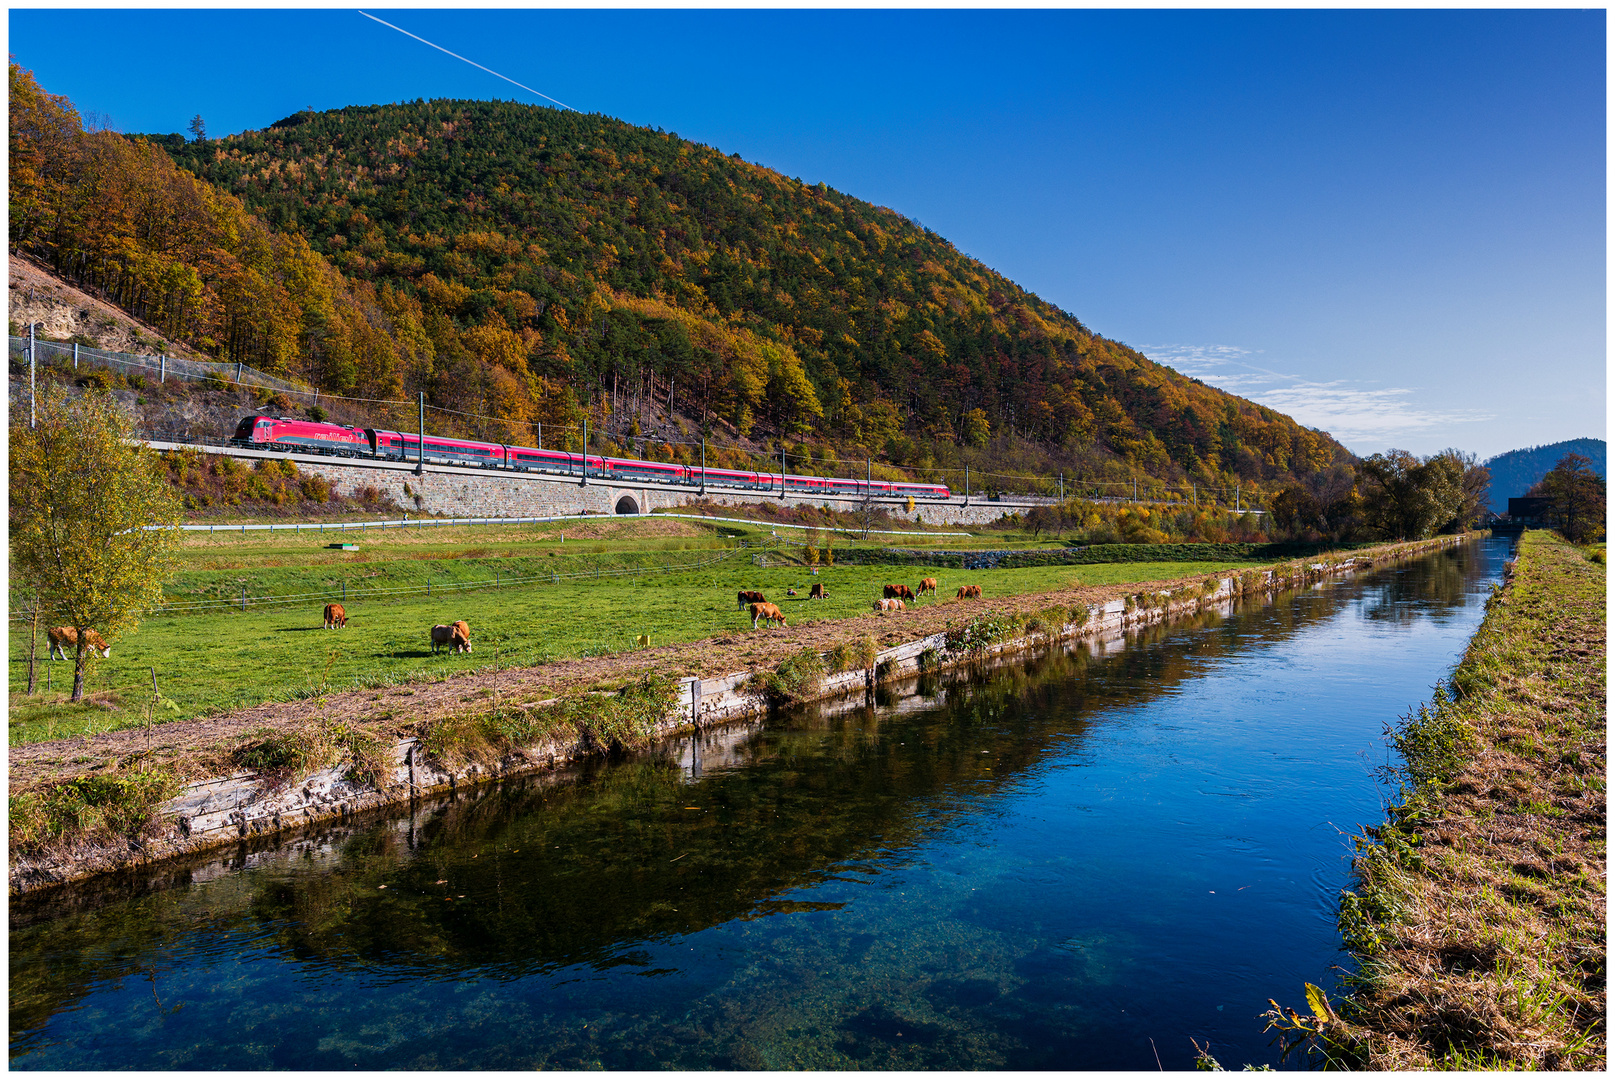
(306, 436)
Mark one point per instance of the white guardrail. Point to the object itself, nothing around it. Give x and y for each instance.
(426, 523)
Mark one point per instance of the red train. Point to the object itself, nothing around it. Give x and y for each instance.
(280, 433)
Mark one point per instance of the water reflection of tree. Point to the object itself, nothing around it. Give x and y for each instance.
(539, 876)
(1436, 587)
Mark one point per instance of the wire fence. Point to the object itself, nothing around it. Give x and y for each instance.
(163, 367)
(342, 594)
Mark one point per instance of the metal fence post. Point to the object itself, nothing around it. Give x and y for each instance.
(75, 356)
(33, 420)
(162, 367)
(238, 371)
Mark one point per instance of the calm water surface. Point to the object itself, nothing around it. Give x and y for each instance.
(1075, 862)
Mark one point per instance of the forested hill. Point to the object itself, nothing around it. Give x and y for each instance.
(1514, 472)
(531, 264)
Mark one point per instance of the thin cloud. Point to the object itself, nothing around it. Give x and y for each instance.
(1350, 410)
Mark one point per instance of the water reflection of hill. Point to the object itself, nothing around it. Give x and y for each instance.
(532, 876)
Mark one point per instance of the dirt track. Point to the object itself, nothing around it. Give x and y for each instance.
(191, 746)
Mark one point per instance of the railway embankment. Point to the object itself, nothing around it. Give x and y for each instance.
(104, 804)
(1477, 920)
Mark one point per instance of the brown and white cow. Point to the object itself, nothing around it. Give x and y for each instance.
(818, 592)
(892, 604)
(457, 636)
(63, 638)
(927, 586)
(767, 613)
(746, 597)
(335, 617)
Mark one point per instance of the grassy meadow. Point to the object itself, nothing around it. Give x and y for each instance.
(218, 658)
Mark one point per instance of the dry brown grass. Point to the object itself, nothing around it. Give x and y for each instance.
(1478, 922)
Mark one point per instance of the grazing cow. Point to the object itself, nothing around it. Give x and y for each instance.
(335, 617)
(899, 592)
(928, 586)
(744, 598)
(457, 637)
(818, 592)
(968, 591)
(767, 613)
(892, 604)
(64, 637)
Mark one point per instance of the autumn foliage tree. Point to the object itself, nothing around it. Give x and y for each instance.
(1407, 498)
(117, 216)
(84, 498)
(1576, 498)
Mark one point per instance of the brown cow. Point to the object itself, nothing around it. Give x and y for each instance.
(767, 613)
(969, 591)
(457, 637)
(928, 586)
(818, 592)
(744, 598)
(335, 617)
(63, 637)
(900, 592)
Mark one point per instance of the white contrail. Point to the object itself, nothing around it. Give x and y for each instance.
(473, 63)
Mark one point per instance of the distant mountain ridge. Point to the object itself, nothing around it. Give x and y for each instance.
(1514, 472)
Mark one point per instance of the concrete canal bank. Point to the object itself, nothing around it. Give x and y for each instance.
(240, 807)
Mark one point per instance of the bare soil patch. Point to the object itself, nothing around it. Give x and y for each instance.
(65, 312)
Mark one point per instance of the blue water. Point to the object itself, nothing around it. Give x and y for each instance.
(1082, 861)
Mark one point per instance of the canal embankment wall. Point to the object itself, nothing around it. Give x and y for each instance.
(231, 809)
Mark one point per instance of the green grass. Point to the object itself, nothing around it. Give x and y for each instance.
(229, 659)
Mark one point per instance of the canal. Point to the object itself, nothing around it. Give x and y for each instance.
(1078, 860)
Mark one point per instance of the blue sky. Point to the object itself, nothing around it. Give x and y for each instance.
(1388, 224)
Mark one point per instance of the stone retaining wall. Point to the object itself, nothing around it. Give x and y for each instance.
(472, 492)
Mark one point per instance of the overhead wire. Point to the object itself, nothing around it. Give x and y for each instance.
(473, 63)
